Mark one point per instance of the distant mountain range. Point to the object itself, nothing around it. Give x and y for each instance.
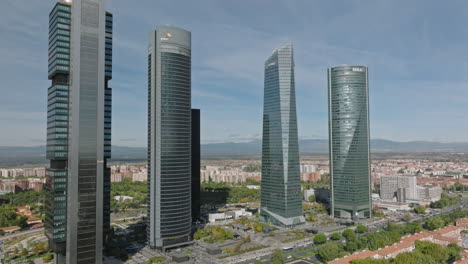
(33, 155)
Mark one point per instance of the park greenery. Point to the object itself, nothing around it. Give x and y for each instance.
(457, 187)
(277, 257)
(361, 229)
(336, 236)
(320, 238)
(11, 218)
(21, 254)
(445, 201)
(213, 234)
(9, 202)
(22, 198)
(156, 260)
(236, 193)
(135, 189)
(420, 209)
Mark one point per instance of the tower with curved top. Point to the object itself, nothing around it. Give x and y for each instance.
(169, 137)
(281, 184)
(348, 102)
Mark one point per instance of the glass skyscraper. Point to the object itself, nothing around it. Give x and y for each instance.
(79, 137)
(281, 199)
(169, 137)
(348, 95)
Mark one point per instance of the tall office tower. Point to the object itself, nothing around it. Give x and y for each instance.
(169, 137)
(281, 183)
(196, 185)
(349, 142)
(79, 130)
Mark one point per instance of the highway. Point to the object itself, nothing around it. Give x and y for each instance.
(21, 233)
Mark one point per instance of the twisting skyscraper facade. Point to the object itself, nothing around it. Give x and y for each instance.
(349, 142)
(281, 183)
(169, 137)
(79, 130)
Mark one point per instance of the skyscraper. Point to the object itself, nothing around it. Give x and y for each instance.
(196, 184)
(281, 183)
(169, 137)
(79, 137)
(348, 112)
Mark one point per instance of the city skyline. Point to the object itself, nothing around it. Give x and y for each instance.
(229, 85)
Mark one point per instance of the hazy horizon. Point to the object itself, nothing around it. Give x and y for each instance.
(416, 54)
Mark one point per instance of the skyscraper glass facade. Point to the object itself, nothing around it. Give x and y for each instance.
(281, 202)
(57, 125)
(78, 180)
(349, 142)
(169, 137)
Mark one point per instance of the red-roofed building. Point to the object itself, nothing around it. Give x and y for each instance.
(10, 229)
(33, 220)
(443, 236)
(24, 210)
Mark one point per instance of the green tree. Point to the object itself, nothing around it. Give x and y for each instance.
(328, 252)
(277, 257)
(391, 226)
(336, 236)
(413, 228)
(433, 250)
(320, 238)
(407, 217)
(312, 198)
(351, 246)
(435, 223)
(349, 235)
(453, 252)
(413, 258)
(420, 209)
(361, 229)
(24, 252)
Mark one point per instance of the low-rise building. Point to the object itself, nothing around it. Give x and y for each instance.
(10, 229)
(443, 236)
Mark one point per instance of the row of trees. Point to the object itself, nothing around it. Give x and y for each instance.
(445, 201)
(22, 198)
(357, 240)
(425, 252)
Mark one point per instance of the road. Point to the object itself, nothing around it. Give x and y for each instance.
(21, 233)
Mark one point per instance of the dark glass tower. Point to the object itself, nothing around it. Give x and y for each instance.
(281, 201)
(79, 137)
(169, 137)
(349, 142)
(196, 185)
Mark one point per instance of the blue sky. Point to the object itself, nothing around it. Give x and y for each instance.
(416, 51)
